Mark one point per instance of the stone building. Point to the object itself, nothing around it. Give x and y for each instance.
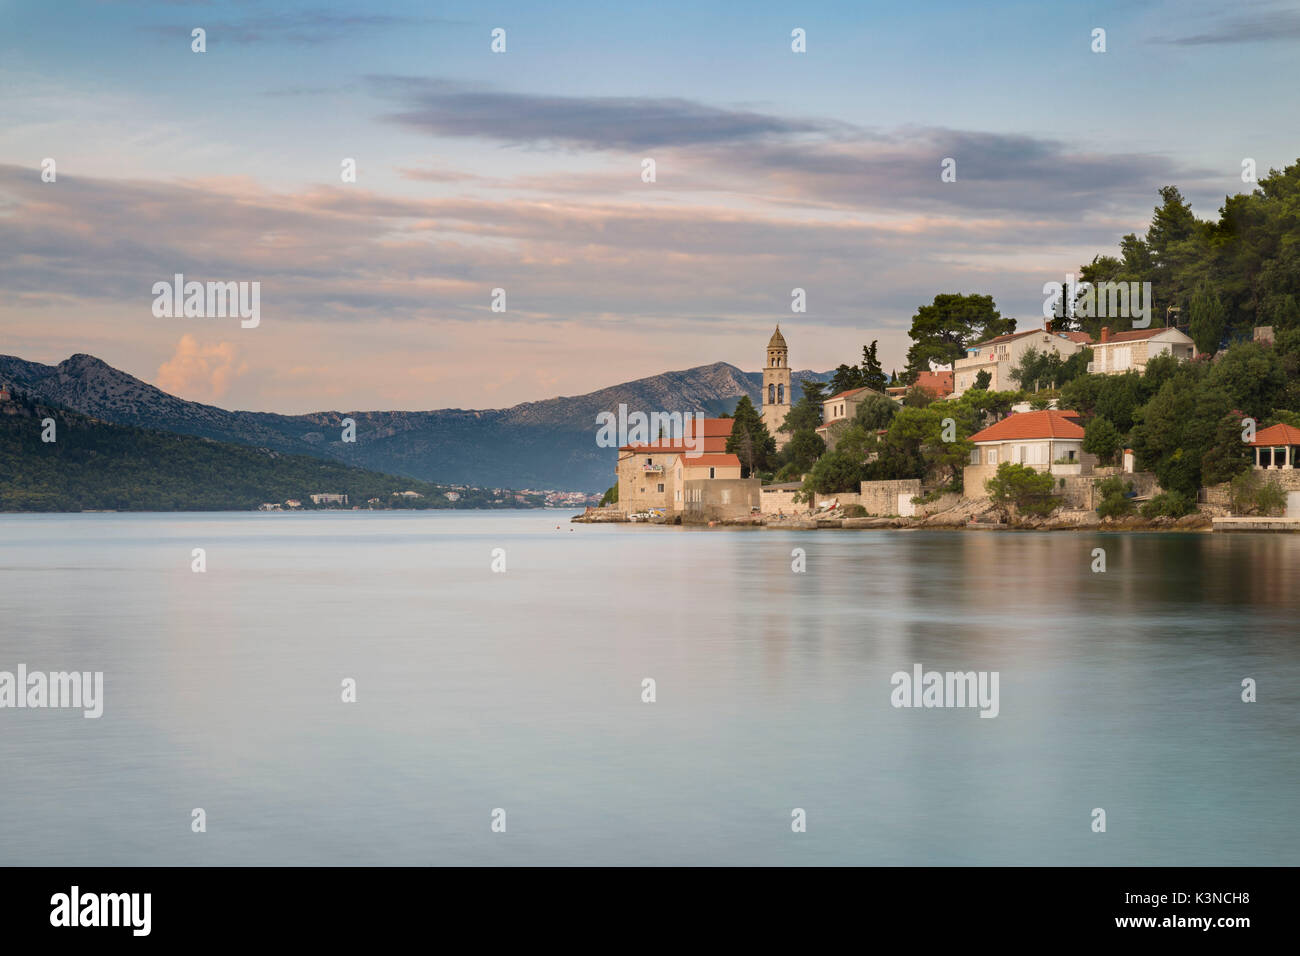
(1124, 351)
(776, 387)
(998, 356)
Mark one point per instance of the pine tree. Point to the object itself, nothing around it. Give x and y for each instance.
(749, 440)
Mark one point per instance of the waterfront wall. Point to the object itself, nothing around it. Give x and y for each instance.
(716, 499)
(1221, 495)
(781, 501)
(890, 497)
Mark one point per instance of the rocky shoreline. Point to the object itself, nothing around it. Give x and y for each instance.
(969, 516)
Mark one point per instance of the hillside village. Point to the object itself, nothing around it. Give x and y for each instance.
(1162, 388)
(1015, 454)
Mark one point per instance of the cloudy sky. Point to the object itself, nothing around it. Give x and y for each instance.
(523, 171)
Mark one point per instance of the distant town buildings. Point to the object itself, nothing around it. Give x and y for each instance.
(329, 499)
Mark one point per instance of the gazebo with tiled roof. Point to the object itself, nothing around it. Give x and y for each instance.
(1276, 446)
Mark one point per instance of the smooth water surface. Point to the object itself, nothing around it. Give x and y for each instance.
(523, 691)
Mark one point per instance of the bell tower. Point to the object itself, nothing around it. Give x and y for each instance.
(776, 387)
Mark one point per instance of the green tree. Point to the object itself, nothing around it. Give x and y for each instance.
(1208, 320)
(1115, 501)
(875, 412)
(610, 497)
(1227, 455)
(834, 473)
(917, 397)
(941, 331)
(844, 378)
(805, 414)
(804, 449)
(749, 439)
(873, 376)
(1175, 429)
(982, 380)
(1252, 375)
(1101, 438)
(1018, 489)
(815, 392)
(1252, 495)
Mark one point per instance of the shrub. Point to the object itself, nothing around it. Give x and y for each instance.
(1115, 501)
(855, 511)
(1171, 504)
(1251, 495)
(1021, 488)
(834, 472)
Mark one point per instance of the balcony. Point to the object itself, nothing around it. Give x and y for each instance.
(653, 469)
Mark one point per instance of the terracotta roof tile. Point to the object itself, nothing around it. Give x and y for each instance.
(1028, 425)
(1276, 435)
(1134, 335)
(712, 461)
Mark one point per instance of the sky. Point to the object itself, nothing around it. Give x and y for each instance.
(522, 170)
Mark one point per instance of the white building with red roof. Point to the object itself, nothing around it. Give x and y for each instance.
(1115, 354)
(998, 356)
(1049, 441)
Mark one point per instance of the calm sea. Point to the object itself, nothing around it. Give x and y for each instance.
(522, 691)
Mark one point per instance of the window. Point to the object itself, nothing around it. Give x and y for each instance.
(991, 457)
(711, 472)
(649, 461)
(661, 487)
(679, 494)
(1122, 358)
(780, 394)
(771, 394)
(975, 456)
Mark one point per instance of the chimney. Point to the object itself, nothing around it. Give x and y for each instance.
(1105, 333)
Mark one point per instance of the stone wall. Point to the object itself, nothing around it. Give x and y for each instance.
(1221, 495)
(715, 499)
(1079, 492)
(889, 497)
(973, 478)
(781, 501)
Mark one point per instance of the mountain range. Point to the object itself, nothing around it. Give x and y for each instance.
(546, 444)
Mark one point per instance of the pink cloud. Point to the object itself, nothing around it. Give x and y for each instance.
(201, 372)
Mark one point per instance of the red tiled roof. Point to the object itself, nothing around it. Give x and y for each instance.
(938, 384)
(1277, 435)
(712, 461)
(1002, 338)
(1045, 424)
(716, 431)
(1134, 335)
(847, 393)
(1083, 338)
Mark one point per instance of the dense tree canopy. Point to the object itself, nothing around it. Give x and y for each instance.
(941, 330)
